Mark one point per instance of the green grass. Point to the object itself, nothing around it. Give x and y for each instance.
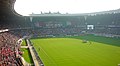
(73, 52)
(26, 55)
(23, 43)
(100, 39)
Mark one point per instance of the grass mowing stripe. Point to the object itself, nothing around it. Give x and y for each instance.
(72, 52)
(100, 39)
(47, 56)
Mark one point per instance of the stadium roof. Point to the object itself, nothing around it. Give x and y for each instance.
(7, 8)
(82, 14)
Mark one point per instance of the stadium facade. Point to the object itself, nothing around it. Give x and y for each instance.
(71, 24)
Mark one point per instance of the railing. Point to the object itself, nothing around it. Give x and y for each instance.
(38, 58)
(36, 54)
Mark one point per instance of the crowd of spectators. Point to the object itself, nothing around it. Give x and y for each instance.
(65, 31)
(47, 32)
(9, 50)
(104, 25)
(107, 24)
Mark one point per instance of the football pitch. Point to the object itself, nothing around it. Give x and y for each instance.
(71, 51)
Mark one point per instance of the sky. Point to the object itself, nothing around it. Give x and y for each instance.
(26, 7)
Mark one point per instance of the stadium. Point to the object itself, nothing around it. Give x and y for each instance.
(55, 39)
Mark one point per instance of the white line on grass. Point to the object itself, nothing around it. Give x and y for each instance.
(48, 55)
